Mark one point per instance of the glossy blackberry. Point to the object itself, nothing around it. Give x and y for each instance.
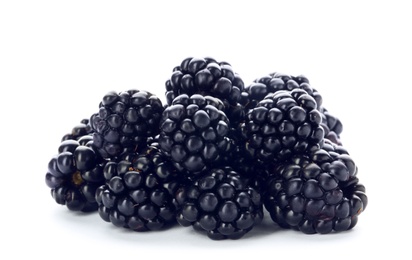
(80, 130)
(74, 175)
(125, 121)
(316, 193)
(332, 126)
(193, 133)
(278, 81)
(139, 194)
(220, 203)
(284, 123)
(208, 77)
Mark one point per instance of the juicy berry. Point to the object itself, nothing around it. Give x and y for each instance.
(208, 77)
(125, 121)
(284, 123)
(316, 193)
(193, 133)
(75, 174)
(221, 204)
(139, 193)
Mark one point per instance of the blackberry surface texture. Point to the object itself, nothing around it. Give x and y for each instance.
(193, 133)
(125, 121)
(284, 123)
(80, 130)
(220, 204)
(75, 173)
(332, 126)
(139, 194)
(278, 81)
(208, 77)
(316, 193)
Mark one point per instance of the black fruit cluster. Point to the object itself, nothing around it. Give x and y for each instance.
(215, 157)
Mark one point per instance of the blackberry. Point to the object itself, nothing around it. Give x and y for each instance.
(332, 126)
(80, 130)
(220, 203)
(125, 121)
(74, 175)
(278, 81)
(208, 77)
(316, 193)
(193, 133)
(139, 194)
(282, 124)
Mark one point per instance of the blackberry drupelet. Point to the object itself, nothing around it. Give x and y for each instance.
(75, 174)
(278, 81)
(193, 133)
(125, 121)
(139, 194)
(316, 193)
(220, 203)
(208, 77)
(80, 130)
(284, 123)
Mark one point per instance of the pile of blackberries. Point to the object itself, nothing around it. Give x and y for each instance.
(213, 157)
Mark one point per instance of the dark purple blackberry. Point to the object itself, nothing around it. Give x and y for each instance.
(332, 126)
(220, 203)
(284, 123)
(75, 174)
(208, 77)
(139, 194)
(80, 130)
(193, 133)
(316, 193)
(278, 81)
(125, 121)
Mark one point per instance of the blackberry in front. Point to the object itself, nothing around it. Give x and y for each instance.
(316, 193)
(139, 193)
(208, 77)
(193, 133)
(125, 121)
(284, 123)
(221, 204)
(75, 174)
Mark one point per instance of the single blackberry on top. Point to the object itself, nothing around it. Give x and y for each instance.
(282, 124)
(208, 77)
(279, 81)
(193, 133)
(316, 193)
(80, 130)
(220, 203)
(75, 173)
(139, 194)
(125, 121)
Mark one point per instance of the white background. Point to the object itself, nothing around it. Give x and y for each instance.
(58, 59)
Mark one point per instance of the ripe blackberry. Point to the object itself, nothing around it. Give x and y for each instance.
(139, 194)
(208, 77)
(220, 203)
(74, 175)
(193, 133)
(125, 121)
(316, 193)
(282, 124)
(332, 126)
(278, 81)
(80, 130)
